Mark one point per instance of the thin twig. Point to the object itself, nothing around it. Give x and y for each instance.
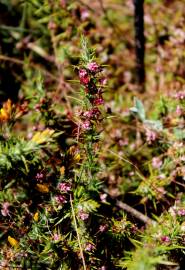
(20, 62)
(78, 236)
(145, 219)
(135, 212)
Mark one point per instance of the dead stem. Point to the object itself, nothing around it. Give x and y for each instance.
(135, 212)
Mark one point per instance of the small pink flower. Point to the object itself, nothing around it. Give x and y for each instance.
(89, 247)
(84, 14)
(181, 212)
(82, 215)
(165, 239)
(180, 95)
(151, 136)
(39, 176)
(103, 81)
(86, 125)
(56, 237)
(5, 210)
(87, 114)
(93, 113)
(93, 67)
(83, 75)
(60, 199)
(52, 25)
(103, 197)
(156, 162)
(103, 227)
(64, 187)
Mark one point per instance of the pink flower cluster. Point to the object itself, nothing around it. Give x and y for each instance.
(5, 210)
(93, 67)
(151, 136)
(165, 239)
(181, 212)
(64, 187)
(39, 176)
(84, 77)
(89, 247)
(156, 162)
(56, 237)
(94, 113)
(103, 228)
(86, 125)
(180, 95)
(61, 199)
(83, 215)
(87, 76)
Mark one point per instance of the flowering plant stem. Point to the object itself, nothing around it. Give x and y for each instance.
(78, 236)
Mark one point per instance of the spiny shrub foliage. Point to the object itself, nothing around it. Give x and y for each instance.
(53, 208)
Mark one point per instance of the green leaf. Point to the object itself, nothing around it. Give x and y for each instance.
(138, 109)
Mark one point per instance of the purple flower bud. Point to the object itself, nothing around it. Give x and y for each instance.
(39, 176)
(93, 67)
(99, 101)
(83, 75)
(60, 199)
(165, 239)
(151, 136)
(103, 81)
(89, 247)
(103, 227)
(93, 113)
(88, 114)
